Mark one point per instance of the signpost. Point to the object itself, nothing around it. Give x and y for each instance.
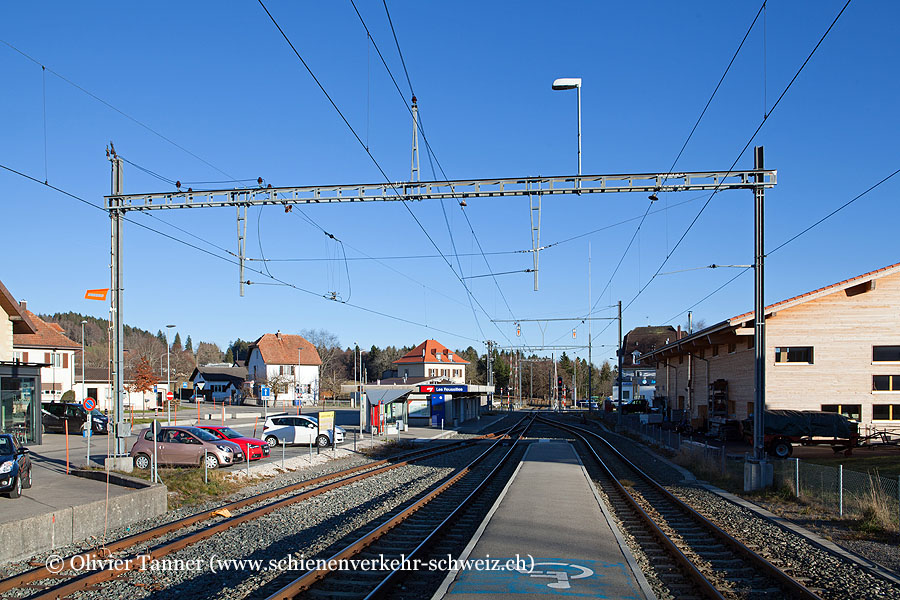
(326, 422)
(264, 396)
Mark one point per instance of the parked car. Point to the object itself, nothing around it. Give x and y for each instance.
(299, 429)
(55, 414)
(252, 447)
(15, 466)
(183, 445)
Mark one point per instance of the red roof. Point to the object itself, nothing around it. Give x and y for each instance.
(828, 289)
(430, 351)
(45, 336)
(283, 349)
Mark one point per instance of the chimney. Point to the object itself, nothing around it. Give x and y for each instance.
(678, 333)
(23, 304)
(278, 334)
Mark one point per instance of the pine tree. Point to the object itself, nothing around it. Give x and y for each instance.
(176, 344)
(188, 345)
(229, 357)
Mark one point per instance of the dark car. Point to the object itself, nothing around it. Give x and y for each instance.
(15, 466)
(55, 414)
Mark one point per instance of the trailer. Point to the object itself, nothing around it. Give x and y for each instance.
(785, 428)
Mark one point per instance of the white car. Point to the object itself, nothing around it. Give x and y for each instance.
(299, 429)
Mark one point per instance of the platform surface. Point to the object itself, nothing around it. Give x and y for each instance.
(549, 512)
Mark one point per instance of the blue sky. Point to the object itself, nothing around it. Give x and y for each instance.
(218, 80)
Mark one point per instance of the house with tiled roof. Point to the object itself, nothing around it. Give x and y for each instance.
(49, 345)
(220, 383)
(20, 380)
(432, 359)
(287, 364)
(834, 349)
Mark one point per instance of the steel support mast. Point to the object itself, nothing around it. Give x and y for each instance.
(117, 217)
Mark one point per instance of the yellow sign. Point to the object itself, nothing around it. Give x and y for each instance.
(326, 421)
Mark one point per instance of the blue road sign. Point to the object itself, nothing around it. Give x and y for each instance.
(264, 392)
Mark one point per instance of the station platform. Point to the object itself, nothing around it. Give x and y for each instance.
(550, 518)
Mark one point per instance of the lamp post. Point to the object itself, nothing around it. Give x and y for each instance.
(83, 388)
(568, 83)
(168, 377)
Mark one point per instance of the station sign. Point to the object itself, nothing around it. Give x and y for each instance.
(443, 389)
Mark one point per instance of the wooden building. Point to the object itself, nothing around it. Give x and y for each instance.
(834, 349)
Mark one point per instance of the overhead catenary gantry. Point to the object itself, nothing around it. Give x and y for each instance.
(118, 204)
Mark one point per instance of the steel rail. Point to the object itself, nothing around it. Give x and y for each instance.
(305, 581)
(344, 477)
(791, 585)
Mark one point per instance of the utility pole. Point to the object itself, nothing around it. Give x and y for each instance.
(590, 321)
(414, 168)
(690, 370)
(116, 217)
(555, 379)
(619, 368)
(490, 373)
(758, 473)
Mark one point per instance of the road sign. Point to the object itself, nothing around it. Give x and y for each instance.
(89, 404)
(154, 389)
(201, 384)
(264, 392)
(170, 396)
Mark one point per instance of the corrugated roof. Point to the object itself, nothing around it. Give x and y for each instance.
(430, 351)
(285, 349)
(45, 336)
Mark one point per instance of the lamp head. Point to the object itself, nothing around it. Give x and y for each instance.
(567, 83)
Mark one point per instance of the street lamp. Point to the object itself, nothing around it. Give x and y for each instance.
(83, 388)
(568, 83)
(168, 377)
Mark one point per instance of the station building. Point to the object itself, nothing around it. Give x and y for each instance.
(834, 349)
(429, 390)
(20, 377)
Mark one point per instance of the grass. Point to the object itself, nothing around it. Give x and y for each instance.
(708, 468)
(186, 486)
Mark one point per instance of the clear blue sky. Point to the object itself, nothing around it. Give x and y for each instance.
(219, 80)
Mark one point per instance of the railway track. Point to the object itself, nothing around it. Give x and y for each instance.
(68, 576)
(415, 534)
(692, 556)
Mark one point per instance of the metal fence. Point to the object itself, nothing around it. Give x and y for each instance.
(841, 491)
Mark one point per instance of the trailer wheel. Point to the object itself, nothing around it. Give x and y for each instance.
(782, 449)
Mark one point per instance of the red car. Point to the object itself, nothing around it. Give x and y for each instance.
(252, 447)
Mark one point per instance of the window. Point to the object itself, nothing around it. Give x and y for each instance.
(750, 342)
(885, 353)
(732, 348)
(886, 412)
(56, 359)
(886, 383)
(715, 350)
(794, 354)
(626, 394)
(852, 411)
(17, 356)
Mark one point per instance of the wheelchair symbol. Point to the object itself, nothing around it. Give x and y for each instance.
(560, 574)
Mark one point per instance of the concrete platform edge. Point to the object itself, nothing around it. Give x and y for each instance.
(636, 570)
(813, 538)
(26, 537)
(467, 551)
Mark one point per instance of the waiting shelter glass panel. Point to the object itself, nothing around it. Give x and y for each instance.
(19, 408)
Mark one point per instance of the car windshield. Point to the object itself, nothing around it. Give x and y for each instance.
(203, 434)
(96, 413)
(229, 433)
(6, 446)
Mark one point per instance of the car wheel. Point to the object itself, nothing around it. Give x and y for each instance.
(272, 441)
(17, 488)
(322, 441)
(782, 449)
(142, 462)
(212, 461)
(27, 484)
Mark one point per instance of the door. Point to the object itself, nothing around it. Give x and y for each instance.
(182, 448)
(304, 430)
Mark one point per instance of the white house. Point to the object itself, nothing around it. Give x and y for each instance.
(432, 359)
(287, 364)
(50, 346)
(97, 385)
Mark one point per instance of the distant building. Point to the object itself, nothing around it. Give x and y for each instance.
(431, 360)
(639, 380)
(97, 385)
(287, 364)
(20, 379)
(48, 345)
(221, 383)
(834, 349)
